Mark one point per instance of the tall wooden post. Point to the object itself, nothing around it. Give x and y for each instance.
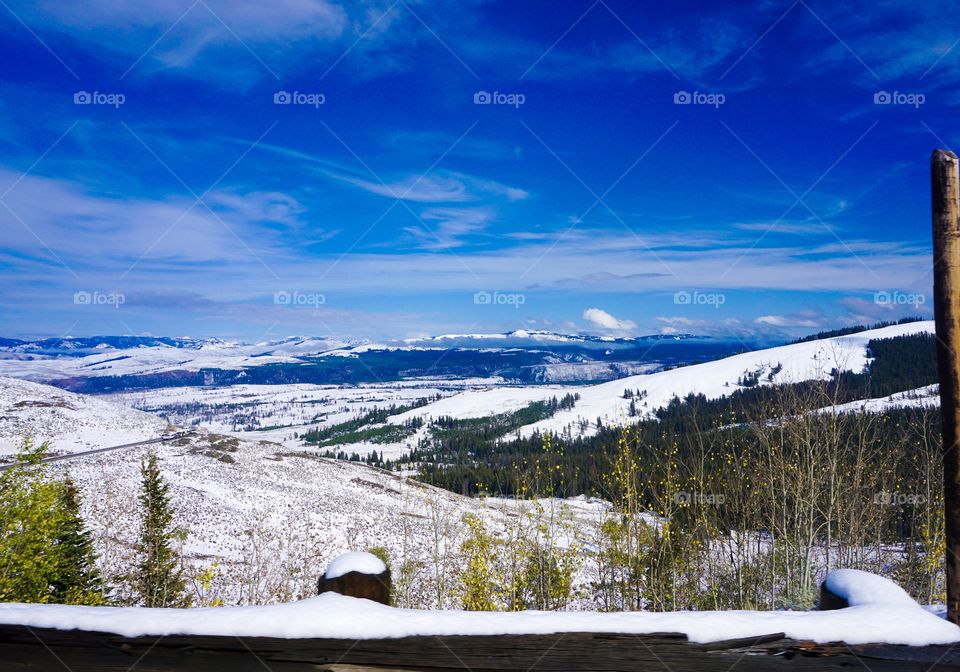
(945, 187)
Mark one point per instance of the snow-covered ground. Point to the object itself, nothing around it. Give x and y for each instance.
(248, 501)
(70, 422)
(305, 510)
(355, 561)
(272, 520)
(564, 372)
(270, 517)
(487, 401)
(280, 413)
(785, 364)
(922, 397)
(157, 359)
(879, 612)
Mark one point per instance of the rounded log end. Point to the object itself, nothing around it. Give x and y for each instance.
(830, 600)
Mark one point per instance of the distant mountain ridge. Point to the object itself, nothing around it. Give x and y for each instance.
(542, 335)
(78, 344)
(115, 363)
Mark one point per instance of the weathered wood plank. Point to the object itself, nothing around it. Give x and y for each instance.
(23, 649)
(945, 195)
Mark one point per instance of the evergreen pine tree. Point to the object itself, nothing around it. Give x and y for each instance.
(29, 521)
(158, 578)
(78, 580)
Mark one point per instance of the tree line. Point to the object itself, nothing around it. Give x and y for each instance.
(47, 552)
(474, 457)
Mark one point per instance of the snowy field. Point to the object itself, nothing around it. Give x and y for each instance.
(279, 413)
(212, 354)
(923, 397)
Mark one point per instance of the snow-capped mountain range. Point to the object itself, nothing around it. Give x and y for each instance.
(525, 356)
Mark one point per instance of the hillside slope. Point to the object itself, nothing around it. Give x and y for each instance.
(269, 518)
(784, 364)
(70, 422)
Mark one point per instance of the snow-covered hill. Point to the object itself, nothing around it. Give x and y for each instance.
(70, 422)
(607, 401)
(269, 517)
(922, 397)
(45, 365)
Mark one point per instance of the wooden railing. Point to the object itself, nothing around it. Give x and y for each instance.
(23, 648)
(30, 648)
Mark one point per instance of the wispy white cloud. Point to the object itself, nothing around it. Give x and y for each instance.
(179, 34)
(429, 189)
(448, 228)
(87, 229)
(95, 229)
(235, 43)
(791, 321)
(789, 228)
(438, 187)
(894, 42)
(276, 21)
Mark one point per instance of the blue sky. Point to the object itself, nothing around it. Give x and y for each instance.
(736, 169)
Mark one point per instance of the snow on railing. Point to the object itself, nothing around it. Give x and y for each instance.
(873, 614)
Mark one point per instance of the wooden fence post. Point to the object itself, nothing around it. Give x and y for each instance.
(945, 189)
(359, 581)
